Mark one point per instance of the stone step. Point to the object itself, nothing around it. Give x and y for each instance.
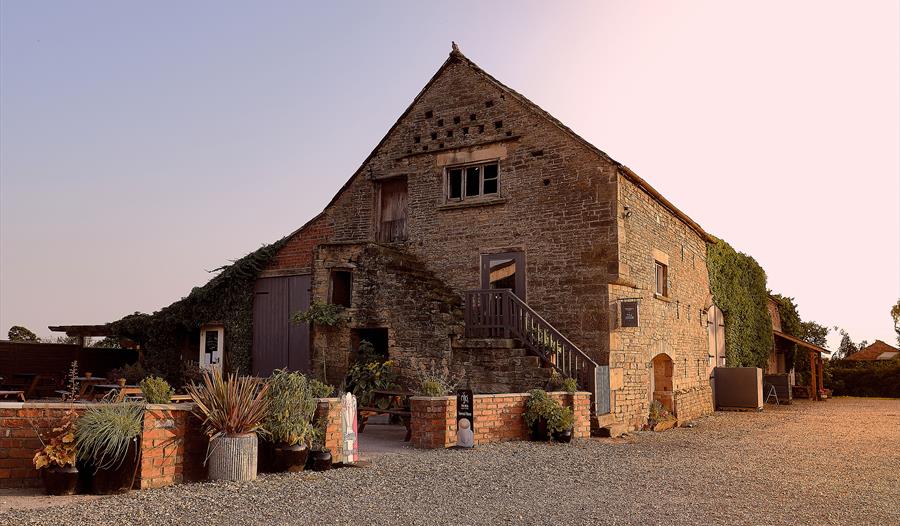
(488, 343)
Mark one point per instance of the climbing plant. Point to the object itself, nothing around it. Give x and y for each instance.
(226, 298)
(738, 286)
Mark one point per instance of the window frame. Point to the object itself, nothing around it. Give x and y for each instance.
(331, 280)
(464, 175)
(664, 282)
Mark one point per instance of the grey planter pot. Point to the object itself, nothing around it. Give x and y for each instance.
(233, 457)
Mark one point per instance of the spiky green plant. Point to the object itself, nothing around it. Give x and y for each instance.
(104, 432)
(292, 404)
(235, 405)
(156, 390)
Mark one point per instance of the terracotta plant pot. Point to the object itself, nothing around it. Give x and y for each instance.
(233, 457)
(290, 459)
(117, 478)
(321, 460)
(60, 481)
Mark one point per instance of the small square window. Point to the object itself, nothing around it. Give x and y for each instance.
(341, 281)
(429, 114)
(440, 122)
(662, 279)
(456, 120)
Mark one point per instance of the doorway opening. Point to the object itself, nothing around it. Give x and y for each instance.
(505, 270)
(662, 382)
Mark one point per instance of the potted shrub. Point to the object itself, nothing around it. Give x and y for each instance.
(539, 410)
(56, 457)
(291, 408)
(232, 410)
(562, 424)
(108, 441)
(156, 390)
(320, 456)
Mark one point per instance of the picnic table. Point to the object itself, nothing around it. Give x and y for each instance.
(86, 388)
(122, 390)
(387, 403)
(23, 381)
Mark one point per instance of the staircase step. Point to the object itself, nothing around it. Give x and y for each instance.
(488, 343)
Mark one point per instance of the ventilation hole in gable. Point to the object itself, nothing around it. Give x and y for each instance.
(449, 133)
(417, 139)
(538, 153)
(488, 104)
(433, 136)
(455, 120)
(498, 124)
(440, 122)
(440, 145)
(425, 148)
(546, 182)
(409, 150)
(429, 114)
(481, 128)
(472, 117)
(466, 130)
(509, 133)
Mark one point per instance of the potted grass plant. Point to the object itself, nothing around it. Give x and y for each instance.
(56, 458)
(108, 442)
(232, 410)
(288, 424)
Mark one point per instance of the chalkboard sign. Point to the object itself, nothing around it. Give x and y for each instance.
(465, 419)
(629, 314)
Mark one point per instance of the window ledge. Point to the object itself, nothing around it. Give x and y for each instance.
(659, 296)
(469, 203)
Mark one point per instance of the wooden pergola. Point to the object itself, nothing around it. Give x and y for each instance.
(816, 363)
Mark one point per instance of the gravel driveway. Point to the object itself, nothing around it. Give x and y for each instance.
(836, 462)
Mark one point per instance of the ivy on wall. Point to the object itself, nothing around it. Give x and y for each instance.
(738, 286)
(792, 326)
(226, 298)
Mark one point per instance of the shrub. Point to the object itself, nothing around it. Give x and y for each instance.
(434, 381)
(570, 385)
(320, 313)
(104, 432)
(291, 407)
(156, 390)
(58, 446)
(364, 378)
(857, 378)
(229, 406)
(562, 419)
(319, 389)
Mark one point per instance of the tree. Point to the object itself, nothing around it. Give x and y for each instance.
(17, 333)
(110, 342)
(814, 333)
(895, 313)
(846, 347)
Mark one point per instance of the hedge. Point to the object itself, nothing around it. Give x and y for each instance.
(857, 378)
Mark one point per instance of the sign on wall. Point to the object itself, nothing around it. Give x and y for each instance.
(629, 314)
(212, 342)
(349, 444)
(465, 419)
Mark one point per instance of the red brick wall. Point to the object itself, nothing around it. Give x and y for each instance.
(172, 446)
(297, 252)
(498, 418)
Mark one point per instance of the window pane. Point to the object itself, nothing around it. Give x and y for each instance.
(473, 181)
(490, 186)
(455, 184)
(490, 171)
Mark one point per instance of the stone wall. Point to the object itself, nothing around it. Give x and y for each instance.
(391, 290)
(497, 418)
(674, 325)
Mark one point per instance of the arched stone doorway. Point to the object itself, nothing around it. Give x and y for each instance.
(663, 392)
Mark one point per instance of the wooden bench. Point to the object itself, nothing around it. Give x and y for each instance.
(19, 394)
(405, 416)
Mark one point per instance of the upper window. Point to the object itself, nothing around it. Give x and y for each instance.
(341, 282)
(662, 279)
(467, 182)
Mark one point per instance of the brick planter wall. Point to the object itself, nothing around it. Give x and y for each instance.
(498, 418)
(173, 447)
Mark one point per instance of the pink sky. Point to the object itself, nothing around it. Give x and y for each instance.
(129, 163)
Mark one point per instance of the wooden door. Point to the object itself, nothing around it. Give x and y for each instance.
(277, 342)
(504, 270)
(392, 197)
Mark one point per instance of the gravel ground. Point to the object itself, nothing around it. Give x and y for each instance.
(836, 462)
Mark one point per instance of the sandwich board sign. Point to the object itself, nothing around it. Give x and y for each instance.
(465, 419)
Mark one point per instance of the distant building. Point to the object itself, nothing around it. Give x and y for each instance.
(876, 352)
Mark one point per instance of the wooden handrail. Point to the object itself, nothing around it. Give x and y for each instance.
(498, 313)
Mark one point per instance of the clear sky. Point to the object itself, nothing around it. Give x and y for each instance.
(143, 143)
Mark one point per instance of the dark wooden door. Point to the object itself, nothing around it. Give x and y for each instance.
(278, 343)
(504, 271)
(392, 197)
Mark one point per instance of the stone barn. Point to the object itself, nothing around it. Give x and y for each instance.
(483, 235)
